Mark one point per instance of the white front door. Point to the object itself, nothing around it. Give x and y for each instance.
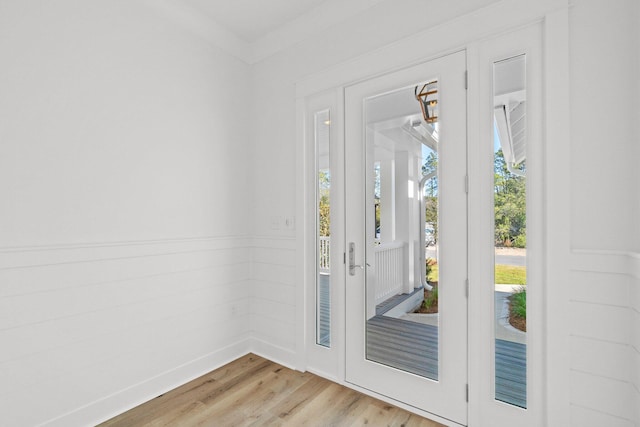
(406, 207)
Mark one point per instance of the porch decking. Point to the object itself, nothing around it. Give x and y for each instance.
(324, 313)
(511, 372)
(410, 346)
(413, 347)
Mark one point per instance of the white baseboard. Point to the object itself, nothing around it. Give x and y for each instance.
(119, 402)
(274, 353)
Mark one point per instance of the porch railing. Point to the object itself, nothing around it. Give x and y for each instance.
(389, 264)
(323, 254)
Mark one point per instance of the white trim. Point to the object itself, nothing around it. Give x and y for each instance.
(402, 405)
(451, 36)
(105, 408)
(280, 355)
(292, 33)
(102, 244)
(203, 27)
(302, 257)
(606, 261)
(38, 256)
(321, 18)
(320, 358)
(274, 242)
(556, 118)
(483, 406)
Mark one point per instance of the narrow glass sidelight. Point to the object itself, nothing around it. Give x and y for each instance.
(510, 230)
(322, 132)
(402, 315)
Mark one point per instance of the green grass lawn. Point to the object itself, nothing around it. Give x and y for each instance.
(511, 275)
(505, 274)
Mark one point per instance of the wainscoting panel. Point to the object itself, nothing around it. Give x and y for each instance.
(273, 302)
(635, 336)
(604, 328)
(581, 416)
(90, 330)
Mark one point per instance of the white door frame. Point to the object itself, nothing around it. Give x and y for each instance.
(446, 396)
(528, 41)
(466, 32)
(324, 361)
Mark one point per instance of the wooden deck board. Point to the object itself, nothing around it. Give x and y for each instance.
(324, 314)
(413, 347)
(410, 346)
(511, 372)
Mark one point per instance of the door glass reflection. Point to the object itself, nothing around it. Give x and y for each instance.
(510, 231)
(402, 313)
(322, 127)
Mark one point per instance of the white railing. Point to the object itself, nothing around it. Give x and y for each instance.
(323, 253)
(389, 265)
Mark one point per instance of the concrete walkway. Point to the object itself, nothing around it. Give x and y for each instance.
(504, 330)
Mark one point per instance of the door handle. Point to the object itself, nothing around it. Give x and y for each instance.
(352, 260)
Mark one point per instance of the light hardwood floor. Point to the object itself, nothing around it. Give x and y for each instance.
(253, 391)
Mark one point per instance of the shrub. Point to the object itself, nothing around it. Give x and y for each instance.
(432, 299)
(519, 303)
(520, 241)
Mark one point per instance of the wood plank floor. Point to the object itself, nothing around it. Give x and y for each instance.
(253, 391)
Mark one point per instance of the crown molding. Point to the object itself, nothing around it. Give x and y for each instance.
(290, 34)
(203, 27)
(323, 17)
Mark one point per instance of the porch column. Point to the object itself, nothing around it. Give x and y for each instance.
(387, 201)
(416, 219)
(404, 214)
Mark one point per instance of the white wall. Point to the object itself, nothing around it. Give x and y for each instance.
(604, 289)
(124, 220)
(604, 114)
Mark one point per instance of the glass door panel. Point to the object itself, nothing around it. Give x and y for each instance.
(510, 230)
(402, 302)
(322, 132)
(406, 234)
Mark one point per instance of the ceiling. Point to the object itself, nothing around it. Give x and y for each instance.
(251, 20)
(253, 30)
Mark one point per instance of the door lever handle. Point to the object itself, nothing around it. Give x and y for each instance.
(361, 266)
(352, 260)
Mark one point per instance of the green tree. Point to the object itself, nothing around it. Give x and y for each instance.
(324, 218)
(431, 165)
(510, 204)
(431, 193)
